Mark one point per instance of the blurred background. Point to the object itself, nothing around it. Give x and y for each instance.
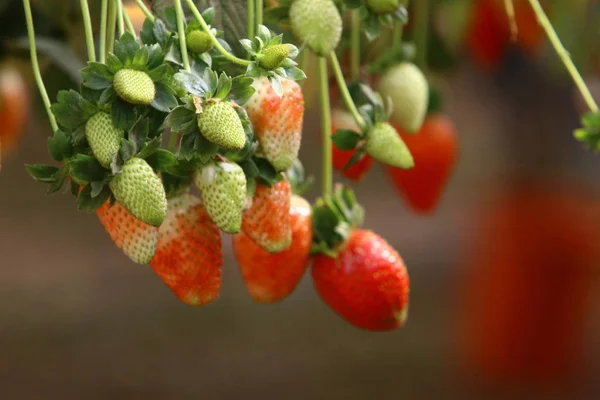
(505, 301)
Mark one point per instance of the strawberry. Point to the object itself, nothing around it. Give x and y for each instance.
(435, 151)
(407, 87)
(277, 121)
(136, 239)
(271, 277)
(385, 146)
(317, 23)
(344, 120)
(220, 124)
(198, 41)
(189, 253)
(14, 105)
(223, 189)
(382, 6)
(135, 87)
(366, 283)
(140, 191)
(268, 221)
(103, 137)
(273, 56)
(488, 34)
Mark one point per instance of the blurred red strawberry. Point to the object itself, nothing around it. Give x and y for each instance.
(14, 106)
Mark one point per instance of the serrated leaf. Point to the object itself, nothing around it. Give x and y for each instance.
(139, 133)
(356, 157)
(156, 56)
(127, 150)
(250, 169)
(85, 201)
(86, 168)
(183, 121)
(108, 95)
(205, 150)
(164, 100)
(96, 76)
(123, 114)
(161, 160)
(96, 188)
(275, 82)
(212, 80)
(241, 90)
(267, 173)
(223, 86)
(140, 58)
(346, 139)
(294, 73)
(147, 33)
(42, 173)
(193, 83)
(59, 146)
(171, 18)
(125, 48)
(59, 179)
(160, 33)
(150, 147)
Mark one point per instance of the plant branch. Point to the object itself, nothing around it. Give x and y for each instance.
(422, 12)
(339, 76)
(120, 20)
(563, 54)
(217, 44)
(103, 22)
(327, 173)
(397, 35)
(89, 33)
(355, 47)
(259, 13)
(251, 20)
(36, 66)
(128, 22)
(181, 33)
(145, 10)
(112, 26)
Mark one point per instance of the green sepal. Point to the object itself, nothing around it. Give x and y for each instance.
(162, 160)
(125, 49)
(406, 52)
(72, 110)
(84, 168)
(436, 103)
(42, 173)
(182, 120)
(59, 146)
(296, 176)
(123, 114)
(346, 139)
(150, 147)
(87, 202)
(165, 99)
(589, 133)
(96, 76)
(60, 178)
(193, 84)
(241, 90)
(267, 174)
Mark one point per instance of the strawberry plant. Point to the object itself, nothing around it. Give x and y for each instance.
(190, 103)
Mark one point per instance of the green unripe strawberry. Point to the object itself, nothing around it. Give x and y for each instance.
(274, 56)
(103, 137)
(141, 192)
(135, 87)
(220, 124)
(223, 189)
(408, 89)
(199, 41)
(385, 145)
(383, 6)
(317, 23)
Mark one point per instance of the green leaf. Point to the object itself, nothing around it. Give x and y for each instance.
(241, 90)
(160, 33)
(123, 114)
(208, 15)
(125, 48)
(294, 73)
(346, 139)
(97, 188)
(231, 16)
(113, 63)
(360, 152)
(108, 95)
(267, 173)
(162, 160)
(275, 82)
(174, 184)
(223, 86)
(171, 19)
(151, 147)
(86, 168)
(140, 58)
(193, 83)
(182, 120)
(250, 169)
(59, 146)
(85, 201)
(42, 173)
(156, 56)
(164, 100)
(205, 150)
(147, 33)
(139, 133)
(212, 80)
(96, 76)
(127, 150)
(59, 179)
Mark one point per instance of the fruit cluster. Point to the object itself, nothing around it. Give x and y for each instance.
(234, 127)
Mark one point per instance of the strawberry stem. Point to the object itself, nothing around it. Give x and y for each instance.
(217, 44)
(145, 10)
(121, 22)
(510, 13)
(103, 22)
(89, 34)
(259, 13)
(563, 54)
(36, 67)
(422, 11)
(327, 173)
(397, 34)
(128, 22)
(181, 33)
(355, 47)
(112, 25)
(339, 76)
(251, 20)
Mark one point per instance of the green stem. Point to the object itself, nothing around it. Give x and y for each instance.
(355, 47)
(218, 45)
(181, 33)
(120, 20)
(128, 22)
(422, 12)
(89, 33)
(145, 10)
(112, 25)
(339, 76)
(35, 65)
(327, 173)
(259, 13)
(563, 54)
(173, 142)
(510, 12)
(103, 22)
(251, 20)
(397, 35)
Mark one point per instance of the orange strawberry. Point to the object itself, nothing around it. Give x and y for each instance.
(271, 277)
(268, 221)
(136, 239)
(189, 253)
(14, 105)
(277, 121)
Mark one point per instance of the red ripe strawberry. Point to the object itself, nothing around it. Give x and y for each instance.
(344, 120)
(189, 253)
(14, 105)
(136, 239)
(277, 121)
(366, 284)
(435, 151)
(271, 277)
(488, 35)
(268, 221)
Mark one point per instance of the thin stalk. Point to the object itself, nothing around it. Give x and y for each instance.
(327, 173)
(112, 26)
(120, 20)
(397, 35)
(422, 12)
(510, 13)
(128, 22)
(181, 33)
(259, 13)
(339, 76)
(89, 33)
(563, 54)
(145, 10)
(36, 66)
(355, 47)
(218, 45)
(251, 20)
(103, 22)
